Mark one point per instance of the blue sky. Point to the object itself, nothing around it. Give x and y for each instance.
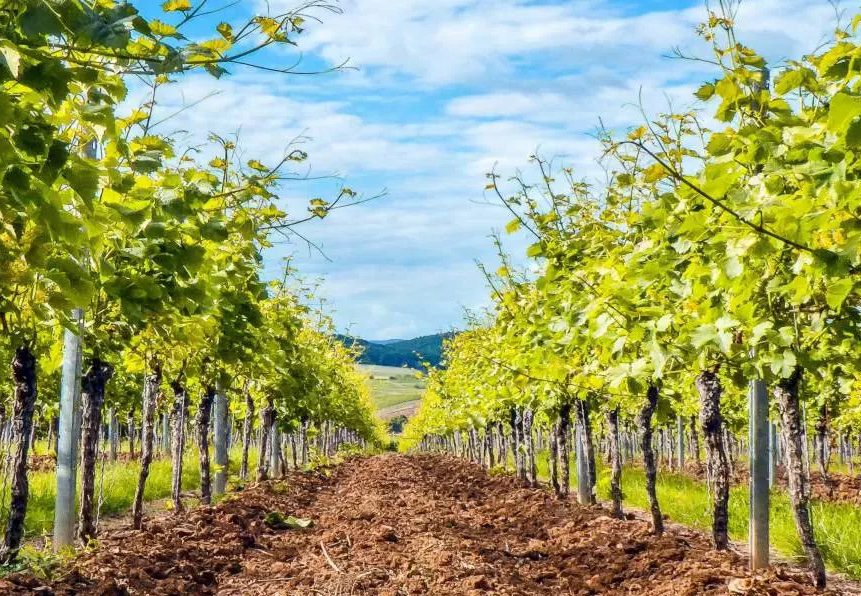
(443, 91)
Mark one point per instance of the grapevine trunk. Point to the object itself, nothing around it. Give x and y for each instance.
(786, 394)
(92, 399)
(150, 393)
(204, 414)
(179, 413)
(585, 423)
(564, 449)
(246, 433)
(695, 440)
(615, 462)
(709, 387)
(267, 419)
(554, 459)
(24, 379)
(645, 423)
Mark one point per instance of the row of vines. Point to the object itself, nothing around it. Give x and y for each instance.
(723, 250)
(131, 268)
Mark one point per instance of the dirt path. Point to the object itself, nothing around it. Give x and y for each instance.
(407, 408)
(408, 525)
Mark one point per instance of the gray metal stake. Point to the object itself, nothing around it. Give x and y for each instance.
(68, 436)
(219, 483)
(760, 463)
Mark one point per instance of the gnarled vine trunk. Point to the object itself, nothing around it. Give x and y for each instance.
(278, 465)
(294, 451)
(52, 434)
(517, 452)
(553, 458)
(823, 452)
(529, 441)
(246, 433)
(92, 399)
(717, 463)
(503, 445)
(585, 423)
(728, 447)
(786, 394)
(24, 402)
(179, 414)
(267, 419)
(615, 463)
(645, 423)
(562, 431)
(130, 421)
(488, 446)
(113, 434)
(204, 415)
(150, 394)
(304, 435)
(695, 441)
(32, 436)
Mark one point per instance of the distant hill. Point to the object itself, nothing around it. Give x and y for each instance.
(402, 352)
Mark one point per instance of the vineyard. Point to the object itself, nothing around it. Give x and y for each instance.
(178, 419)
(701, 308)
(132, 280)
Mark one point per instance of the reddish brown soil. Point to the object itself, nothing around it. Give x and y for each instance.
(839, 488)
(42, 463)
(407, 525)
(836, 488)
(48, 462)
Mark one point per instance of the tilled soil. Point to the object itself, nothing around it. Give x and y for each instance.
(42, 463)
(835, 488)
(395, 525)
(48, 462)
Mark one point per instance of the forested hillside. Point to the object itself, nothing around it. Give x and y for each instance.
(409, 352)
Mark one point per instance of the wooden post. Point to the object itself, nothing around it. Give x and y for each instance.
(680, 443)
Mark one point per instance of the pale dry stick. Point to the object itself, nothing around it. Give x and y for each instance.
(328, 558)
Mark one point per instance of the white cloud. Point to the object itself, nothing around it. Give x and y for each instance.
(508, 104)
(449, 41)
(268, 119)
(447, 90)
(469, 41)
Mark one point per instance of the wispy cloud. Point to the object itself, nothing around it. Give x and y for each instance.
(446, 91)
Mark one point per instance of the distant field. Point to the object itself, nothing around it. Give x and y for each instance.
(395, 390)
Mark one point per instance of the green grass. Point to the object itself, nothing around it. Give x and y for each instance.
(120, 482)
(686, 501)
(392, 386)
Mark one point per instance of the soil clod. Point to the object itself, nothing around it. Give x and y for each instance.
(396, 524)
